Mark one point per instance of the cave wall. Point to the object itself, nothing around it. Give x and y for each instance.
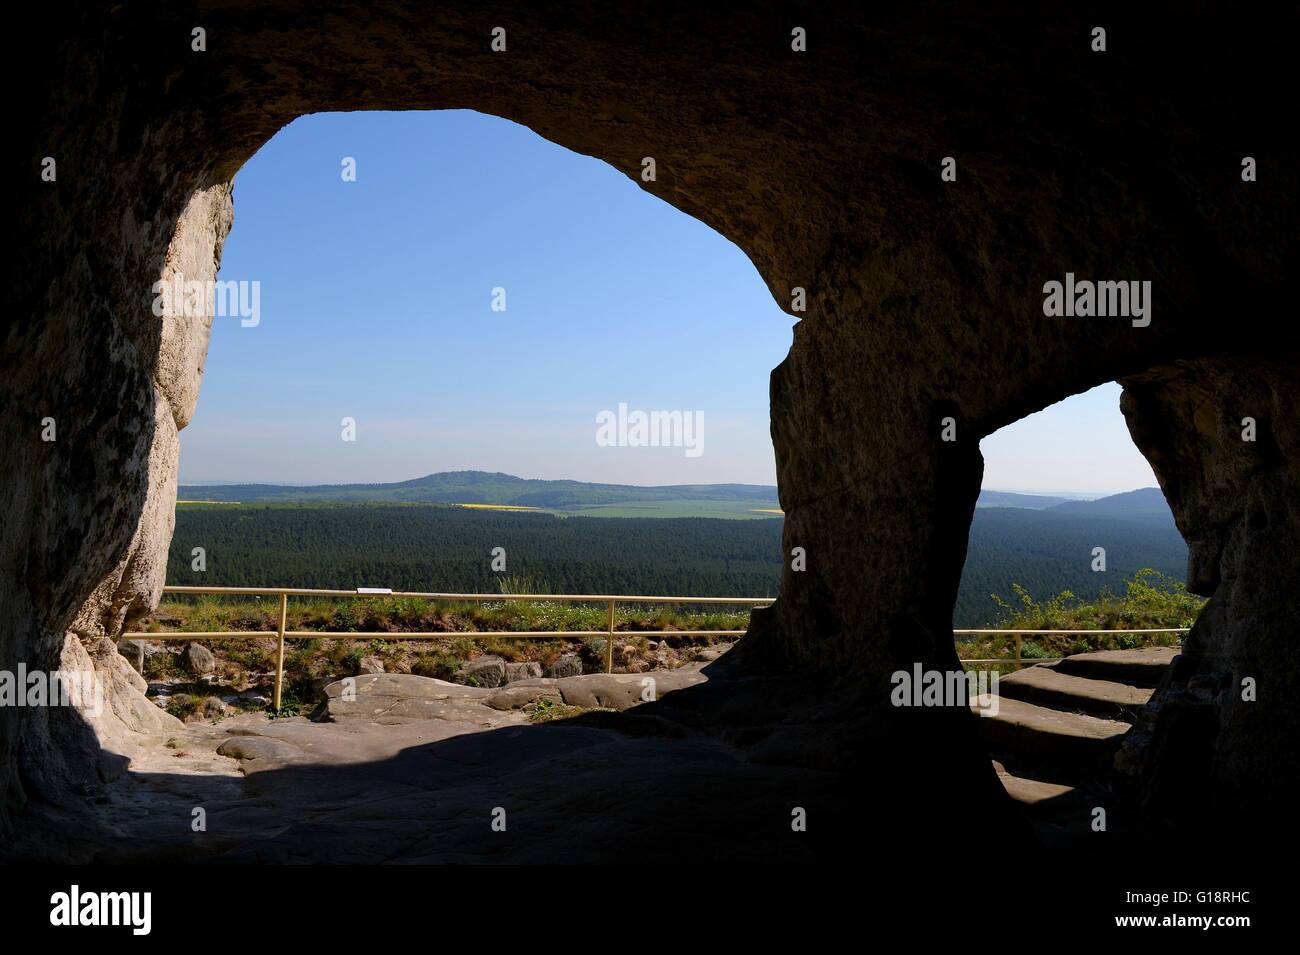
(924, 297)
(1221, 737)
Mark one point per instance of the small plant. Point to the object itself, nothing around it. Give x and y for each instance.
(183, 705)
(345, 616)
(593, 651)
(161, 666)
(438, 666)
(290, 705)
(517, 584)
(546, 711)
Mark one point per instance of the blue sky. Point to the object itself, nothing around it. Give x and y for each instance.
(376, 305)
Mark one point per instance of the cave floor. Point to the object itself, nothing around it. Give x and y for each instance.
(415, 770)
(397, 768)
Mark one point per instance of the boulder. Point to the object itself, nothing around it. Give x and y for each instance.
(134, 652)
(484, 671)
(198, 660)
(395, 698)
(570, 664)
(370, 664)
(523, 671)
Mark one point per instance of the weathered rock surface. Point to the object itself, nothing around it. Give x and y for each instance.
(1063, 690)
(393, 698)
(1056, 728)
(923, 304)
(484, 671)
(523, 671)
(400, 697)
(569, 664)
(134, 651)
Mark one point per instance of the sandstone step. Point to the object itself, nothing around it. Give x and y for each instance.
(1142, 667)
(1049, 686)
(1028, 791)
(1060, 813)
(1039, 735)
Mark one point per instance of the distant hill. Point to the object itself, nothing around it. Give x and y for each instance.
(1147, 503)
(482, 487)
(1049, 550)
(1014, 499)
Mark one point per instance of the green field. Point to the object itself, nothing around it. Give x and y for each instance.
(727, 510)
(735, 510)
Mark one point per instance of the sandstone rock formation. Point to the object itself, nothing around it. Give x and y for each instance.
(923, 304)
(1222, 736)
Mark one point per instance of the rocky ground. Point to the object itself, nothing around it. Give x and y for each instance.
(404, 768)
(702, 762)
(199, 684)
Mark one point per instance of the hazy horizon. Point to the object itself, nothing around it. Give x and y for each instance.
(225, 482)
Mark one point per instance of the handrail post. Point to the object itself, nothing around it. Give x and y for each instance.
(609, 642)
(1018, 663)
(279, 656)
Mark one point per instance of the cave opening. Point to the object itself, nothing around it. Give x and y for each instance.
(1068, 504)
(546, 291)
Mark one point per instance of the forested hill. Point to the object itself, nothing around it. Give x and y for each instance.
(1051, 550)
(449, 549)
(424, 547)
(1146, 504)
(481, 487)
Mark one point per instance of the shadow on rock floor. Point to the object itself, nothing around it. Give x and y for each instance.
(421, 771)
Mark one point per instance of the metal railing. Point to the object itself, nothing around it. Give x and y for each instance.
(281, 633)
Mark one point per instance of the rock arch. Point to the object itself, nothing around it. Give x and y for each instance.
(924, 299)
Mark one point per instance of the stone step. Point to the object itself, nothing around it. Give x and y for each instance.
(1143, 667)
(1049, 686)
(1028, 791)
(1037, 735)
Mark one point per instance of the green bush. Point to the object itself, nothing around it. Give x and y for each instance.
(440, 666)
(1151, 601)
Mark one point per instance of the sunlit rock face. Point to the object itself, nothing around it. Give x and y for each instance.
(923, 304)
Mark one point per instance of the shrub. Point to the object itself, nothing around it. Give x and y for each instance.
(1151, 600)
(440, 666)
